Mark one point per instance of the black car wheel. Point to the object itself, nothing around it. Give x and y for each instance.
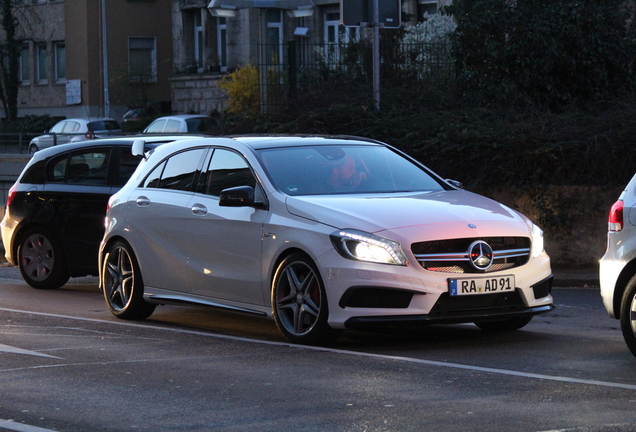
(41, 260)
(299, 302)
(122, 284)
(628, 315)
(504, 325)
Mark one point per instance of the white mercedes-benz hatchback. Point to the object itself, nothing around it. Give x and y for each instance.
(320, 233)
(617, 269)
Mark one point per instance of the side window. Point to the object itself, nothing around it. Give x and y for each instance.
(178, 172)
(172, 126)
(71, 127)
(87, 168)
(156, 127)
(227, 169)
(127, 165)
(58, 127)
(152, 181)
(56, 169)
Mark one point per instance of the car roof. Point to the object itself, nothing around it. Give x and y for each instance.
(88, 120)
(259, 142)
(116, 141)
(183, 116)
(273, 141)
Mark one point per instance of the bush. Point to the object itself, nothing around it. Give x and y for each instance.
(242, 89)
(553, 54)
(30, 124)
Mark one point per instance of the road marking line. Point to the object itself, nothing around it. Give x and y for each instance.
(14, 350)
(20, 427)
(350, 353)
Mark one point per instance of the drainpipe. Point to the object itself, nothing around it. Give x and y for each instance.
(105, 60)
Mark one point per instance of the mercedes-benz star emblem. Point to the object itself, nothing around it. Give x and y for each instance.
(481, 255)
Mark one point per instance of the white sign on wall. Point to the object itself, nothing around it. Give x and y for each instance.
(73, 92)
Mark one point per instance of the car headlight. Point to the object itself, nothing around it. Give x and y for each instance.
(363, 246)
(537, 241)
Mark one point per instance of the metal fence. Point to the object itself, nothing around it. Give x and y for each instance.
(16, 142)
(293, 69)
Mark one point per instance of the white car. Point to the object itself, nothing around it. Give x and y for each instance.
(182, 123)
(322, 234)
(75, 130)
(617, 269)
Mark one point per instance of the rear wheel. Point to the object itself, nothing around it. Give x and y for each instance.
(628, 315)
(299, 302)
(504, 325)
(41, 260)
(122, 284)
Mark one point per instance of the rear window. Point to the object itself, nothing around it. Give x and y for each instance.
(103, 125)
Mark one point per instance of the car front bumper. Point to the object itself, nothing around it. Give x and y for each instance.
(413, 296)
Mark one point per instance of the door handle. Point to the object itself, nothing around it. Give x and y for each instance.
(143, 201)
(199, 210)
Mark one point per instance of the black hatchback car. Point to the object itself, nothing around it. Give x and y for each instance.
(54, 216)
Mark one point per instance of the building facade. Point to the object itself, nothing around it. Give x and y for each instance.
(101, 57)
(93, 57)
(218, 36)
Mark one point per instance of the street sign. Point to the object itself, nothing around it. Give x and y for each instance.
(355, 12)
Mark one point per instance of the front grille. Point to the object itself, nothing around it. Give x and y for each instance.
(452, 256)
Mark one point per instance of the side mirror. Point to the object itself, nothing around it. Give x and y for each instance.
(139, 148)
(239, 196)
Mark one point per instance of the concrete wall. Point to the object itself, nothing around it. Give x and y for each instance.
(197, 94)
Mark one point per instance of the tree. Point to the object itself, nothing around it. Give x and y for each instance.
(20, 21)
(548, 53)
(9, 68)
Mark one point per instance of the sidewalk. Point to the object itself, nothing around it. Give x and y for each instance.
(576, 277)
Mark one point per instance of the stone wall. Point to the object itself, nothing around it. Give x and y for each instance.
(573, 219)
(197, 94)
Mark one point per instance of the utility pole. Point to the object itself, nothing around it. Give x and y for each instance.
(376, 54)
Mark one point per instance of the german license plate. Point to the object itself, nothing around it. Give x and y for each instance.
(481, 285)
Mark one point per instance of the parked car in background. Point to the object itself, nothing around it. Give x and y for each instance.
(183, 123)
(54, 216)
(74, 130)
(617, 269)
(322, 234)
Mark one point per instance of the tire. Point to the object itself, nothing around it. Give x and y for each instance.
(32, 149)
(41, 260)
(628, 315)
(299, 302)
(122, 284)
(504, 325)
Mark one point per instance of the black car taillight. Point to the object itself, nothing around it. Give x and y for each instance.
(615, 220)
(11, 194)
(90, 135)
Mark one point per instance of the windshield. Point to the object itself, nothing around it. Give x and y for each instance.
(323, 170)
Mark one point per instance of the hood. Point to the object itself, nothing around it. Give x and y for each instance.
(377, 213)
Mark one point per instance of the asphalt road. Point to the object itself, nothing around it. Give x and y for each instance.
(66, 364)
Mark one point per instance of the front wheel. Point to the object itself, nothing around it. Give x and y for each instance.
(628, 315)
(122, 284)
(41, 260)
(504, 325)
(299, 302)
(33, 148)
